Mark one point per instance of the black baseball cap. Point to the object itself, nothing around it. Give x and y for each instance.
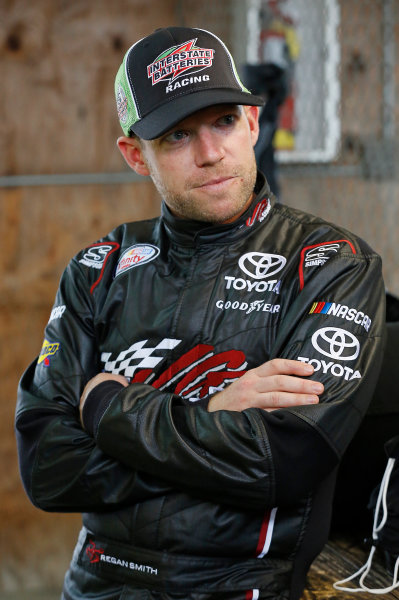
(172, 73)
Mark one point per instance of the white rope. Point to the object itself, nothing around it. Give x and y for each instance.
(365, 569)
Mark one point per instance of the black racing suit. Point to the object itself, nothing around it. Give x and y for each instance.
(179, 502)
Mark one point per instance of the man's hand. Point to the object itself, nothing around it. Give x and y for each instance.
(277, 383)
(99, 378)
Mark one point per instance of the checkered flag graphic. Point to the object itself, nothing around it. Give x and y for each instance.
(137, 357)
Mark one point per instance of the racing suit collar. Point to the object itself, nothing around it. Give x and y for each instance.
(194, 233)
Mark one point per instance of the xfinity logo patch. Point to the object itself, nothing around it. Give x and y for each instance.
(261, 266)
(336, 343)
(136, 255)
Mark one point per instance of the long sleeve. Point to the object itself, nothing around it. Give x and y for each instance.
(61, 466)
(143, 440)
(259, 456)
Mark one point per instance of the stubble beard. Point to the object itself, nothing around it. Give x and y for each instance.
(186, 204)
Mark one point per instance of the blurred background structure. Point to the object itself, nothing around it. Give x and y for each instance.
(63, 184)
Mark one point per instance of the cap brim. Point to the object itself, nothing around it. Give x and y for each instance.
(160, 120)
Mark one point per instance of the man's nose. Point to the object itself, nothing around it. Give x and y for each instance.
(208, 148)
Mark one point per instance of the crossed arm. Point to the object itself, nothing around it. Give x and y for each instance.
(278, 383)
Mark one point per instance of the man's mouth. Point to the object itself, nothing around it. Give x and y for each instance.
(216, 183)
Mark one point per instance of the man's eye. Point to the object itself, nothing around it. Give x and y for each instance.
(228, 119)
(176, 136)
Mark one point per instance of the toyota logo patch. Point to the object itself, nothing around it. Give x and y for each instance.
(260, 266)
(336, 343)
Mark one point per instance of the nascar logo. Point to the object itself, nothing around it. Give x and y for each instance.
(342, 311)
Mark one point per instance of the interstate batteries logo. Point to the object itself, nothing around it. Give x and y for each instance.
(178, 61)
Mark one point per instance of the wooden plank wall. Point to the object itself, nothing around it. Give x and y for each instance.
(58, 60)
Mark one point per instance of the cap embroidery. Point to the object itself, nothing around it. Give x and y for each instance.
(178, 60)
(121, 104)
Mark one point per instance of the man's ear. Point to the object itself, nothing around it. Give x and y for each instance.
(132, 152)
(252, 113)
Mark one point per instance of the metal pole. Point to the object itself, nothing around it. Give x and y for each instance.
(8, 181)
(388, 31)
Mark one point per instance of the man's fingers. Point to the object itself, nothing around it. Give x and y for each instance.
(289, 383)
(284, 366)
(273, 400)
(279, 383)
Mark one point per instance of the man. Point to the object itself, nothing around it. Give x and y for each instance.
(178, 337)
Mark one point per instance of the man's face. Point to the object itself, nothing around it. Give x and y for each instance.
(204, 168)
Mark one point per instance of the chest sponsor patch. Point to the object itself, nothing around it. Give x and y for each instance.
(260, 267)
(136, 256)
(193, 375)
(248, 307)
